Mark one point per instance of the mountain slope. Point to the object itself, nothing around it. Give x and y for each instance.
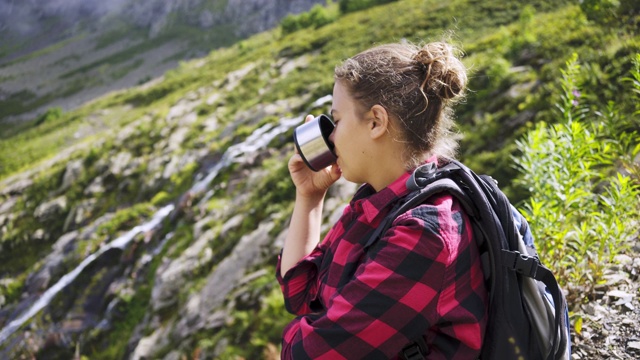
(203, 151)
(66, 53)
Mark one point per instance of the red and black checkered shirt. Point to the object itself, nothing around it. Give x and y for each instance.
(422, 278)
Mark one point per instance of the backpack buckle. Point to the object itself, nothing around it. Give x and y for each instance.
(417, 350)
(521, 263)
(421, 176)
(412, 352)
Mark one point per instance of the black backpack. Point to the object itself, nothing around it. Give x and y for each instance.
(528, 317)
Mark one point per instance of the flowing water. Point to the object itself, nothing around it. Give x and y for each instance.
(119, 243)
(258, 140)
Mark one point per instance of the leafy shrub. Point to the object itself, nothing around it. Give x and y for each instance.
(610, 12)
(499, 70)
(347, 6)
(525, 37)
(582, 209)
(11, 290)
(51, 114)
(317, 17)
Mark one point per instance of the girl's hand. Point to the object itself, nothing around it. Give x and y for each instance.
(308, 182)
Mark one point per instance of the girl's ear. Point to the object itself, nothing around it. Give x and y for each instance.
(379, 121)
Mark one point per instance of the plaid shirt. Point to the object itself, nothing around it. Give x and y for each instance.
(422, 278)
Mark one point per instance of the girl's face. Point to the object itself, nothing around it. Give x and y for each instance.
(351, 136)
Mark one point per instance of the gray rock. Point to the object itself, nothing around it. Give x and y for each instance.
(38, 235)
(125, 134)
(148, 346)
(157, 163)
(79, 214)
(171, 276)
(16, 187)
(7, 205)
(177, 138)
(288, 65)
(96, 187)
(173, 355)
(72, 173)
(120, 162)
(231, 224)
(51, 209)
(52, 264)
(183, 107)
(221, 282)
(172, 167)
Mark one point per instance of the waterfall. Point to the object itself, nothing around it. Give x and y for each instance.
(238, 152)
(235, 153)
(48, 295)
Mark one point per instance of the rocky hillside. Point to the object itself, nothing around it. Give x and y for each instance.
(65, 53)
(147, 223)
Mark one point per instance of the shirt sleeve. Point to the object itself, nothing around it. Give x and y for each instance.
(300, 284)
(403, 287)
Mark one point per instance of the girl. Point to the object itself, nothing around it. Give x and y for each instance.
(423, 278)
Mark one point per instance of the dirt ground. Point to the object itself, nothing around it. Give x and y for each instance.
(610, 326)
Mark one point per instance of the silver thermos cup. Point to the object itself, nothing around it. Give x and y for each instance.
(312, 142)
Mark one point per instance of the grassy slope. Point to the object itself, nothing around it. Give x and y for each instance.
(486, 34)
(495, 35)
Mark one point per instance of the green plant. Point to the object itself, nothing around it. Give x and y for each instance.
(125, 219)
(525, 36)
(317, 17)
(610, 12)
(582, 210)
(51, 114)
(12, 289)
(161, 198)
(255, 329)
(347, 6)
(181, 180)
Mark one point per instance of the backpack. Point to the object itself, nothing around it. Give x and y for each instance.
(528, 317)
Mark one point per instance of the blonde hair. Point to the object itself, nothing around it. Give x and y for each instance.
(417, 85)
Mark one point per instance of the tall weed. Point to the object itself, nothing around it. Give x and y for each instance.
(583, 185)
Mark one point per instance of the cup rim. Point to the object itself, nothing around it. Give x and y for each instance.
(324, 131)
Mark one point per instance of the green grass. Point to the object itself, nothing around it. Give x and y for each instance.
(495, 36)
(494, 30)
(38, 143)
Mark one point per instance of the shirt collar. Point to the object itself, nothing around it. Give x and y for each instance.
(373, 203)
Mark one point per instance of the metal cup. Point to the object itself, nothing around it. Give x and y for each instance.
(312, 142)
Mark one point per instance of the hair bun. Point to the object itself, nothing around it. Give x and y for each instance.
(445, 75)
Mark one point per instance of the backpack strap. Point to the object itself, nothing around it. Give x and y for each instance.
(529, 265)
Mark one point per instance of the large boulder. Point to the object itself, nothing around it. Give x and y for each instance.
(172, 274)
